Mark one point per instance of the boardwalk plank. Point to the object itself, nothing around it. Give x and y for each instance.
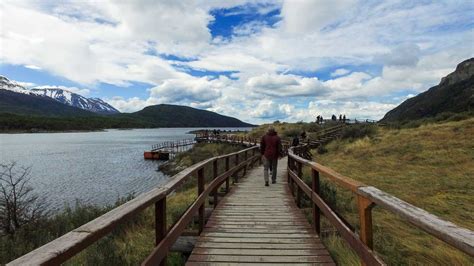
(257, 225)
(248, 258)
(260, 252)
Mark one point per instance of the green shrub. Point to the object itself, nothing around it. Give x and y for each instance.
(322, 149)
(359, 131)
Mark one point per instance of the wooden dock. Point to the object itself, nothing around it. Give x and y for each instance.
(260, 225)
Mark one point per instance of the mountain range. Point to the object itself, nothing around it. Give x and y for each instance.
(454, 94)
(56, 109)
(61, 95)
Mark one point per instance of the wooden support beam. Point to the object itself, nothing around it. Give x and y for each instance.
(298, 189)
(365, 218)
(236, 176)
(316, 210)
(200, 191)
(160, 223)
(227, 167)
(214, 176)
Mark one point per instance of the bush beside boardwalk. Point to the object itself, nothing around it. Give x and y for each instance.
(131, 242)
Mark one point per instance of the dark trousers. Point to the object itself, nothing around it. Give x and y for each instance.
(270, 164)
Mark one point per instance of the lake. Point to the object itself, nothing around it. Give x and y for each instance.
(92, 167)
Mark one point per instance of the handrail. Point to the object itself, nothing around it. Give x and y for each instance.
(368, 197)
(172, 144)
(68, 245)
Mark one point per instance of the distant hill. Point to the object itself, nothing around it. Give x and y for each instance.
(25, 104)
(61, 95)
(166, 115)
(455, 93)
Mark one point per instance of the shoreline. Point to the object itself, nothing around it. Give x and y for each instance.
(34, 131)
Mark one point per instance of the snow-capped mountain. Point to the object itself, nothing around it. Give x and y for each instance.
(61, 95)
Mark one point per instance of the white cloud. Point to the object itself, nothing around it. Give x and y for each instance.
(340, 72)
(131, 104)
(190, 89)
(285, 85)
(268, 109)
(310, 16)
(402, 55)
(33, 67)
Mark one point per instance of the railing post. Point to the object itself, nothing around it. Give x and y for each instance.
(200, 191)
(316, 211)
(160, 223)
(214, 175)
(298, 189)
(288, 169)
(245, 159)
(227, 167)
(252, 163)
(290, 179)
(365, 216)
(236, 174)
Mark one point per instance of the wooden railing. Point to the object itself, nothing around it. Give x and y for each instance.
(68, 245)
(367, 198)
(172, 145)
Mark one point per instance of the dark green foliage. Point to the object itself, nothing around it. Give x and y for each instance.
(322, 149)
(65, 118)
(359, 131)
(166, 115)
(13, 122)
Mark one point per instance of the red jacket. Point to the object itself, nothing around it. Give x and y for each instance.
(270, 146)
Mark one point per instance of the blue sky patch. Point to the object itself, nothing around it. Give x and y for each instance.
(227, 20)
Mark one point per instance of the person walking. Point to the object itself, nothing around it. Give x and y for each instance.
(270, 148)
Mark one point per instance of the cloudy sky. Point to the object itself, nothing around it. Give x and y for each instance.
(257, 60)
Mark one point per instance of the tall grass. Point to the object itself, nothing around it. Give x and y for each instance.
(430, 166)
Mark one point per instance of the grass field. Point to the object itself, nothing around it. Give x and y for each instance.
(430, 166)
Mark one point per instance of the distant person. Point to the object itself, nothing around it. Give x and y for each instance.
(296, 141)
(271, 149)
(333, 118)
(321, 119)
(340, 118)
(317, 119)
(344, 119)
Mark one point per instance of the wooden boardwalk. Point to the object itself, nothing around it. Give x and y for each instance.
(255, 224)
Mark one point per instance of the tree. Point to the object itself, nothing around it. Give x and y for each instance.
(19, 206)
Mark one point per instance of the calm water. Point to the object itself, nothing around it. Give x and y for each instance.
(93, 167)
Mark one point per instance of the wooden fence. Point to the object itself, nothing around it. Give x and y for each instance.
(367, 197)
(173, 146)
